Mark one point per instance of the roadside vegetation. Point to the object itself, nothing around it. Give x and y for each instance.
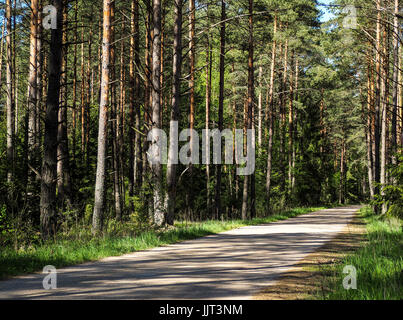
(379, 263)
(77, 245)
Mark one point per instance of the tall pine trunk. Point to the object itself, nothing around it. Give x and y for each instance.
(192, 55)
(10, 97)
(176, 94)
(97, 218)
(377, 131)
(63, 161)
(270, 117)
(217, 202)
(249, 180)
(156, 113)
(48, 218)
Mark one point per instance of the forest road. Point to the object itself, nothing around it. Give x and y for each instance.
(232, 265)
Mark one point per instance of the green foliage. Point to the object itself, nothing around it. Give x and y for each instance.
(5, 226)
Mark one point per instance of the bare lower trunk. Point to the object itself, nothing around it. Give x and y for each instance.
(49, 176)
(395, 81)
(370, 158)
(249, 122)
(115, 122)
(342, 174)
(156, 106)
(32, 86)
(217, 202)
(192, 21)
(290, 131)
(63, 163)
(173, 152)
(209, 62)
(378, 102)
(270, 117)
(260, 107)
(10, 98)
(103, 120)
(384, 120)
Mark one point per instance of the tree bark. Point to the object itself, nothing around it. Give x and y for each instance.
(177, 71)
(10, 98)
(48, 218)
(103, 120)
(395, 82)
(290, 129)
(63, 157)
(370, 159)
(377, 130)
(192, 21)
(217, 202)
(260, 107)
(115, 124)
(249, 125)
(209, 62)
(156, 112)
(270, 116)
(32, 84)
(384, 114)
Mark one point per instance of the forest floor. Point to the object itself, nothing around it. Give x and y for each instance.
(307, 280)
(236, 264)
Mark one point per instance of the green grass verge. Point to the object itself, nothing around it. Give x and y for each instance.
(379, 263)
(66, 252)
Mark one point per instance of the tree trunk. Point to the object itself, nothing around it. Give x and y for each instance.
(32, 85)
(176, 94)
(156, 112)
(10, 98)
(209, 62)
(63, 163)
(290, 129)
(74, 111)
(114, 118)
(192, 18)
(370, 159)
(249, 116)
(384, 114)
(395, 81)
(49, 175)
(295, 124)
(342, 173)
(283, 117)
(270, 116)
(217, 202)
(132, 99)
(260, 107)
(39, 72)
(3, 30)
(103, 120)
(377, 130)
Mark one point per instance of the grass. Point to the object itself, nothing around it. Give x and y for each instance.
(65, 252)
(379, 263)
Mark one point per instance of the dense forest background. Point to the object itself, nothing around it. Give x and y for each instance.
(77, 103)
